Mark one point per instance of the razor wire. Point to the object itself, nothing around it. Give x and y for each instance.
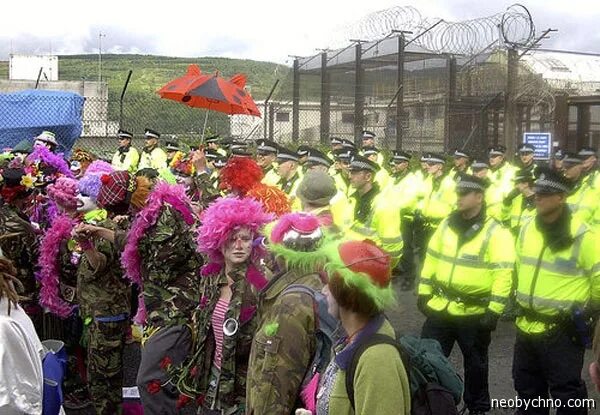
(514, 28)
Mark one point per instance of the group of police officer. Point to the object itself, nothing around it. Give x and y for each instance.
(484, 236)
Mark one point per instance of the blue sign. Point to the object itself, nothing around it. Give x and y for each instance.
(542, 143)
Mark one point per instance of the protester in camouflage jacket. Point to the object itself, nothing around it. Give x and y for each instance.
(104, 301)
(284, 344)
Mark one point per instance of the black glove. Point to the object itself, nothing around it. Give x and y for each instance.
(510, 197)
(489, 321)
(422, 304)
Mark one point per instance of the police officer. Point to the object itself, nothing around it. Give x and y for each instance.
(526, 153)
(373, 215)
(590, 168)
(461, 163)
(558, 282)
(289, 174)
(152, 155)
(172, 149)
(382, 177)
(465, 285)
(368, 142)
(266, 154)
(440, 194)
(126, 157)
(212, 143)
(582, 200)
(519, 205)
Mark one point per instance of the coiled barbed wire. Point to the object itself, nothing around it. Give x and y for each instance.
(513, 27)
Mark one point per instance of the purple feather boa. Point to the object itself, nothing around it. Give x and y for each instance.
(131, 260)
(50, 266)
(44, 155)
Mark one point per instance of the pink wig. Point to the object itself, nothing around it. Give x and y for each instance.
(131, 261)
(224, 216)
(50, 267)
(99, 167)
(64, 192)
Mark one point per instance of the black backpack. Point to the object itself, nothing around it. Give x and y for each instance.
(435, 387)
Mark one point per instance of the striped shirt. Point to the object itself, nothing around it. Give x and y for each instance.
(218, 318)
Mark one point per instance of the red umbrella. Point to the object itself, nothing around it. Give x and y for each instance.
(212, 92)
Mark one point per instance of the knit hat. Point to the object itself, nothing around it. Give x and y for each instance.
(115, 187)
(362, 264)
(64, 192)
(317, 188)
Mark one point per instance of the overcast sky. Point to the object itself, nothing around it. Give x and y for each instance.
(263, 30)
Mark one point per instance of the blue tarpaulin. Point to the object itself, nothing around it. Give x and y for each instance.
(25, 114)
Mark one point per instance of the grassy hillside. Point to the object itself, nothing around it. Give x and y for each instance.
(151, 72)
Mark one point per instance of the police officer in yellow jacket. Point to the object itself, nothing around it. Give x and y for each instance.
(440, 194)
(290, 175)
(465, 284)
(589, 156)
(266, 154)
(152, 156)
(558, 285)
(519, 205)
(126, 157)
(374, 216)
(583, 199)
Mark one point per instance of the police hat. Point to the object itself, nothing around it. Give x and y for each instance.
(213, 138)
(559, 153)
(586, 152)
(211, 154)
(480, 165)
(226, 143)
(366, 134)
(435, 158)
(526, 148)
(460, 153)
(370, 151)
(315, 157)
(551, 181)
(360, 163)
(240, 151)
(284, 155)
(238, 144)
(220, 162)
(399, 156)
(172, 146)
(122, 134)
(571, 159)
(266, 146)
(344, 154)
(466, 183)
(335, 140)
(347, 144)
(303, 151)
(151, 134)
(498, 150)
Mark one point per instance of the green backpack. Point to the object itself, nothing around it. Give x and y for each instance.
(435, 386)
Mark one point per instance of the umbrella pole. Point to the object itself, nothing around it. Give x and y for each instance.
(204, 126)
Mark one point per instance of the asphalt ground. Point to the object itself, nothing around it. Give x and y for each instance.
(406, 319)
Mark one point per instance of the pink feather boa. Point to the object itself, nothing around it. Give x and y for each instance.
(131, 261)
(50, 266)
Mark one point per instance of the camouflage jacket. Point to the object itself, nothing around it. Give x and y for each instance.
(19, 244)
(102, 292)
(283, 346)
(230, 390)
(170, 266)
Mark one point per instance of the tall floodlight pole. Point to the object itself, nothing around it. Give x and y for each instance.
(100, 36)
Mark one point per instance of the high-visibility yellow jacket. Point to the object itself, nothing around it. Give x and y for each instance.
(404, 191)
(468, 279)
(583, 202)
(271, 177)
(501, 184)
(520, 213)
(383, 179)
(382, 226)
(343, 185)
(155, 159)
(126, 161)
(550, 284)
(440, 198)
(290, 188)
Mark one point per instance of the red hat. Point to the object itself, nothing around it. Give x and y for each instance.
(115, 187)
(367, 258)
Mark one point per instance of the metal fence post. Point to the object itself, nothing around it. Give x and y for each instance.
(510, 105)
(296, 102)
(450, 101)
(325, 101)
(271, 120)
(359, 95)
(400, 97)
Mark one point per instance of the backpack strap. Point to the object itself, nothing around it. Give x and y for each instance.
(357, 353)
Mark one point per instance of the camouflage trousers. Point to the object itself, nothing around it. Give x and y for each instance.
(105, 365)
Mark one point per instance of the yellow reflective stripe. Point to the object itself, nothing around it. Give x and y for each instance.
(539, 302)
(470, 263)
(567, 268)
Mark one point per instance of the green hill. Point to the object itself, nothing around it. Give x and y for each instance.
(151, 72)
